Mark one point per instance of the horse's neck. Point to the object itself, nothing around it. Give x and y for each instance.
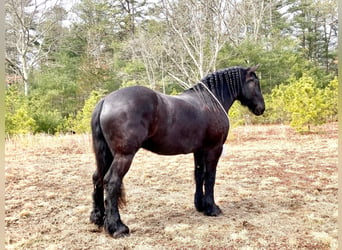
(228, 103)
(216, 97)
(226, 94)
(220, 88)
(228, 84)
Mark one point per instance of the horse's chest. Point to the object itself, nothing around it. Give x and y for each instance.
(217, 131)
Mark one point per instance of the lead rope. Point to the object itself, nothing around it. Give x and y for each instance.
(213, 96)
(232, 79)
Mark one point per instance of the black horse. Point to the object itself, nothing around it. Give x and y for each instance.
(193, 122)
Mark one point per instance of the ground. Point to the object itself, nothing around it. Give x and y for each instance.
(277, 190)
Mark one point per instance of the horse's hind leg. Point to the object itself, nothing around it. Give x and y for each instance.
(97, 213)
(114, 194)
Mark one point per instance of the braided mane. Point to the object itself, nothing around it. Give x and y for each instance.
(224, 84)
(229, 77)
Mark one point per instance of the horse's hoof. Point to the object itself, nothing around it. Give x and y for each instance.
(96, 217)
(122, 231)
(213, 211)
(116, 230)
(199, 207)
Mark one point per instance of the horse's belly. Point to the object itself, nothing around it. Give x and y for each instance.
(169, 148)
(185, 141)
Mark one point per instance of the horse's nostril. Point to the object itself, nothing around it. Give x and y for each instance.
(259, 110)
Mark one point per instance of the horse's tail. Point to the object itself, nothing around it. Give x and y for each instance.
(103, 154)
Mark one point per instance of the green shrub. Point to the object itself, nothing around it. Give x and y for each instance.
(331, 100)
(18, 119)
(48, 118)
(237, 114)
(19, 122)
(302, 103)
(81, 123)
(48, 122)
(276, 102)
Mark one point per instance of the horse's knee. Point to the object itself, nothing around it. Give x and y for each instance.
(111, 182)
(113, 187)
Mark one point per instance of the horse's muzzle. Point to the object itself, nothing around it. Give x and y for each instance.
(259, 110)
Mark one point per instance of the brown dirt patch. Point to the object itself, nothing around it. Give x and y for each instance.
(277, 190)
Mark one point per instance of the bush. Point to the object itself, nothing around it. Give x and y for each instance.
(18, 119)
(276, 102)
(331, 100)
(48, 119)
(19, 122)
(306, 104)
(48, 122)
(237, 115)
(81, 123)
(302, 103)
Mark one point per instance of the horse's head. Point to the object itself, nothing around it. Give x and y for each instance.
(250, 95)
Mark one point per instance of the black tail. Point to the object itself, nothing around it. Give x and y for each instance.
(103, 154)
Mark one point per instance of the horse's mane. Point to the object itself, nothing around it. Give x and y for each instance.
(222, 82)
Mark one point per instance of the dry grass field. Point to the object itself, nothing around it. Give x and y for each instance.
(277, 190)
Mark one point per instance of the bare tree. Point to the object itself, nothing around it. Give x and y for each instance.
(28, 23)
(252, 15)
(192, 33)
(146, 46)
(197, 32)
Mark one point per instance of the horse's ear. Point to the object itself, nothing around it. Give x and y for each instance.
(254, 68)
(251, 70)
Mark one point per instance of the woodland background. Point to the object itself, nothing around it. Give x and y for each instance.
(62, 57)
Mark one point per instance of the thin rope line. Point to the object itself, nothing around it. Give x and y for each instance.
(220, 105)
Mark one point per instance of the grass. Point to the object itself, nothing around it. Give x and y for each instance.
(277, 190)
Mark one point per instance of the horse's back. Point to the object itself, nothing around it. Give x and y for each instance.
(128, 103)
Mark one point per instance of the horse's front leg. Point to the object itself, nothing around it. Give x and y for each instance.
(211, 160)
(199, 178)
(114, 195)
